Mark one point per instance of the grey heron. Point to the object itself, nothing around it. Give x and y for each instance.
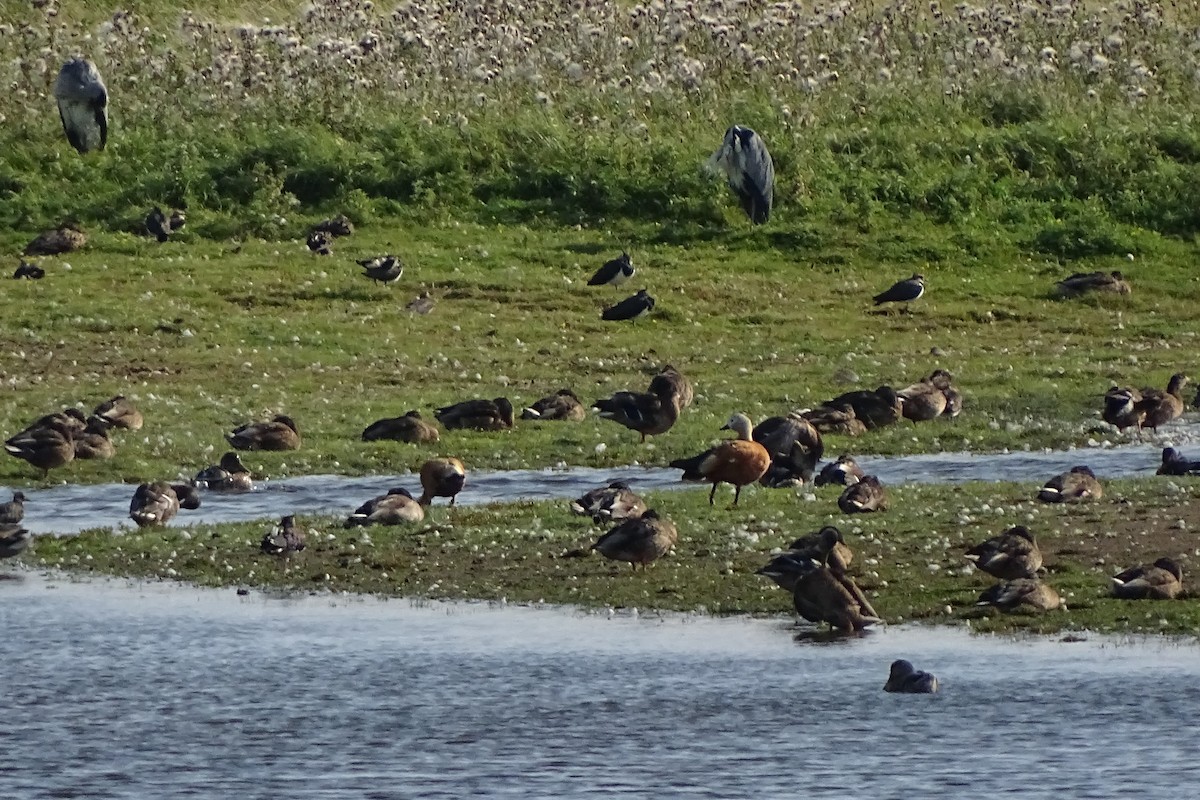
(82, 104)
(748, 167)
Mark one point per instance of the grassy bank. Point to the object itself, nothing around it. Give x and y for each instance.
(909, 558)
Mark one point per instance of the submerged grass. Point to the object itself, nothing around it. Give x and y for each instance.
(909, 558)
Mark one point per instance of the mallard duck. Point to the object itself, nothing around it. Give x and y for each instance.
(875, 409)
(615, 501)
(863, 497)
(631, 307)
(639, 540)
(739, 461)
(1162, 580)
(672, 381)
(1011, 555)
(904, 678)
(1029, 592)
(1121, 408)
(71, 419)
(320, 243)
(397, 507)
(1173, 463)
(905, 291)
(442, 477)
(649, 414)
(119, 412)
(384, 269)
(1075, 486)
(280, 433)
(228, 475)
(46, 445)
(479, 415)
(614, 272)
(64, 239)
(954, 402)
(795, 447)
(821, 594)
(1161, 407)
(1081, 283)
(843, 472)
(93, 441)
(562, 405)
(28, 271)
(284, 540)
(82, 101)
(748, 168)
(826, 547)
(13, 540)
(840, 419)
(14, 510)
(408, 428)
(158, 503)
(926, 399)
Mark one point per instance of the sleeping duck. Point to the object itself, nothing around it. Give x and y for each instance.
(562, 405)
(1074, 486)
(120, 412)
(478, 415)
(408, 428)
(397, 507)
(1013, 554)
(158, 503)
(1027, 593)
(279, 433)
(843, 472)
(863, 497)
(1162, 580)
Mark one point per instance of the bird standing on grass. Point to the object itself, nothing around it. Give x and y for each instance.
(639, 540)
(630, 308)
(284, 540)
(904, 291)
(739, 461)
(82, 104)
(748, 167)
(385, 269)
(614, 272)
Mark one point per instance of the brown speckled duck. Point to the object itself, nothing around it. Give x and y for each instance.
(928, 398)
(1077, 485)
(279, 433)
(843, 472)
(671, 381)
(13, 540)
(840, 419)
(615, 501)
(442, 477)
(284, 540)
(739, 461)
(1162, 580)
(648, 413)
(397, 507)
(874, 409)
(639, 540)
(63, 239)
(1082, 283)
(1159, 407)
(1027, 593)
(863, 497)
(478, 415)
(93, 441)
(158, 503)
(120, 412)
(47, 444)
(1011, 555)
(408, 428)
(821, 594)
(14, 510)
(562, 405)
(227, 475)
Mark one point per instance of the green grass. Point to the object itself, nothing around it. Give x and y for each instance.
(909, 558)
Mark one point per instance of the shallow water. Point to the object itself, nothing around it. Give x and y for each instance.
(131, 691)
(71, 508)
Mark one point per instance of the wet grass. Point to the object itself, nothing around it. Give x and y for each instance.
(206, 335)
(909, 559)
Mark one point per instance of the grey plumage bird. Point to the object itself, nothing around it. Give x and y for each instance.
(904, 291)
(629, 308)
(614, 272)
(13, 540)
(14, 510)
(749, 169)
(82, 104)
(385, 269)
(285, 539)
(421, 304)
